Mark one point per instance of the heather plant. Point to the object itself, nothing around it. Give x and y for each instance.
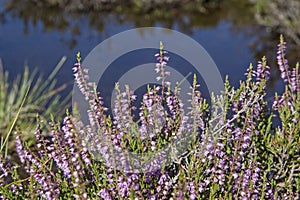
(229, 149)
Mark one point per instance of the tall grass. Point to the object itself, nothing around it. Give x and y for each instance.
(26, 96)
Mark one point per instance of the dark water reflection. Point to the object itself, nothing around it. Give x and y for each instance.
(40, 35)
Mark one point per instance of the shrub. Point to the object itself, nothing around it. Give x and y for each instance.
(279, 16)
(233, 149)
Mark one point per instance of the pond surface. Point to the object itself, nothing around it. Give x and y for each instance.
(39, 36)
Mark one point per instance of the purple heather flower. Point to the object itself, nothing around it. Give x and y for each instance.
(50, 189)
(207, 182)
(40, 142)
(3, 168)
(58, 152)
(295, 80)
(191, 189)
(104, 194)
(123, 187)
(161, 67)
(19, 148)
(295, 120)
(262, 72)
(162, 179)
(24, 154)
(153, 120)
(201, 187)
(80, 79)
(282, 61)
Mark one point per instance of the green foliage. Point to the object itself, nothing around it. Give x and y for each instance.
(280, 15)
(26, 96)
